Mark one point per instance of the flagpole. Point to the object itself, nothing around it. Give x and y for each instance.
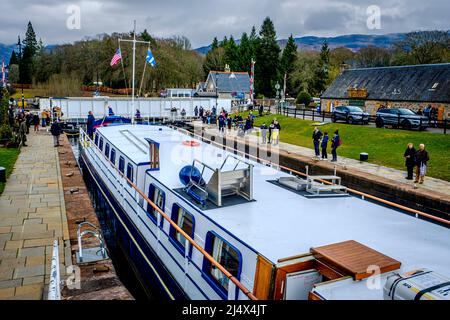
(134, 72)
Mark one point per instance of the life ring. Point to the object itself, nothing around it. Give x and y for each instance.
(191, 143)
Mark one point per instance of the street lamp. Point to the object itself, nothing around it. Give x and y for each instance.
(19, 43)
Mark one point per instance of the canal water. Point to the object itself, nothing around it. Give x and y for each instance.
(123, 265)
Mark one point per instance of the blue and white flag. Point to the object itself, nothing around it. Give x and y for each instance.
(150, 59)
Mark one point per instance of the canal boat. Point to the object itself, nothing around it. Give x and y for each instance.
(275, 238)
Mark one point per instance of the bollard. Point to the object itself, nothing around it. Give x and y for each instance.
(2, 174)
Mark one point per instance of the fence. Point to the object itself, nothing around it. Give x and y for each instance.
(314, 115)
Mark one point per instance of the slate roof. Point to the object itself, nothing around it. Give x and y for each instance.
(230, 81)
(406, 83)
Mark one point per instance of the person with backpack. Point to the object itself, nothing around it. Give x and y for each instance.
(36, 122)
(336, 142)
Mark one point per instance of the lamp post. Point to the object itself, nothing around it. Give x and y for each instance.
(19, 43)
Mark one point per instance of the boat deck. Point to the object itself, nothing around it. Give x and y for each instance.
(281, 223)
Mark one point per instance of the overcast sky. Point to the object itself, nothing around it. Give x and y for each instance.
(201, 20)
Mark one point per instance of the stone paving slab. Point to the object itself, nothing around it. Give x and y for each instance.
(32, 216)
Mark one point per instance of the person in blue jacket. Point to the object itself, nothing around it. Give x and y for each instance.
(335, 143)
(90, 124)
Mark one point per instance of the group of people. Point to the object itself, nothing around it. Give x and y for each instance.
(320, 141)
(431, 113)
(20, 120)
(416, 159)
(273, 130)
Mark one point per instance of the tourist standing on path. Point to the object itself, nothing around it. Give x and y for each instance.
(317, 136)
(55, 129)
(110, 111)
(421, 159)
(409, 155)
(335, 143)
(28, 120)
(36, 122)
(263, 130)
(23, 131)
(196, 111)
(324, 146)
(90, 124)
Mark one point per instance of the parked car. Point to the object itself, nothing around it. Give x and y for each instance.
(401, 117)
(350, 114)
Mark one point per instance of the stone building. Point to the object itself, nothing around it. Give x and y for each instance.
(412, 87)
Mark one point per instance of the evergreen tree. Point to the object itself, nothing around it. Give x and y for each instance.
(14, 59)
(321, 71)
(232, 54)
(287, 63)
(267, 60)
(215, 44)
(244, 53)
(224, 42)
(214, 61)
(28, 54)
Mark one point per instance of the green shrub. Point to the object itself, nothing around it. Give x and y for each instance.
(304, 98)
(5, 132)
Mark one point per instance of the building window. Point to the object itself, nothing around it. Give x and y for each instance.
(158, 197)
(113, 156)
(130, 172)
(101, 144)
(107, 150)
(121, 164)
(224, 253)
(185, 221)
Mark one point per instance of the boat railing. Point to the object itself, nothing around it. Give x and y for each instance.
(87, 142)
(363, 195)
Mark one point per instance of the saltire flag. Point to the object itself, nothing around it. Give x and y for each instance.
(150, 59)
(116, 58)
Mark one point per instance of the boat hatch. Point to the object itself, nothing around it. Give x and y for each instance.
(295, 278)
(227, 185)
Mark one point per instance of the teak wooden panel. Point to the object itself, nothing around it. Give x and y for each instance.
(263, 278)
(355, 258)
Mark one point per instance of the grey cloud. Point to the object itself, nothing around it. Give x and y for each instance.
(201, 20)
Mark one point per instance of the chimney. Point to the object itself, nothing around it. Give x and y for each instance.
(227, 68)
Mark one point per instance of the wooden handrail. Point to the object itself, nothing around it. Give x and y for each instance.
(233, 279)
(362, 194)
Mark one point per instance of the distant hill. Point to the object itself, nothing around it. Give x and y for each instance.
(353, 42)
(5, 52)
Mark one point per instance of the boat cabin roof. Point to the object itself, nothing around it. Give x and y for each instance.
(281, 223)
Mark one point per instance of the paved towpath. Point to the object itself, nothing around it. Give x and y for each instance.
(32, 216)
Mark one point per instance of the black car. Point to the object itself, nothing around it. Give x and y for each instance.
(350, 114)
(402, 118)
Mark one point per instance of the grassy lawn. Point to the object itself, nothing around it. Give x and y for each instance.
(384, 146)
(8, 157)
(27, 93)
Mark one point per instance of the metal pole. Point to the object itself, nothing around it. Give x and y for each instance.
(134, 72)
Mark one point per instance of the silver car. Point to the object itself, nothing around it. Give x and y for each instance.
(401, 118)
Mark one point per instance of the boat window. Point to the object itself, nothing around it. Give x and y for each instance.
(158, 197)
(130, 172)
(185, 221)
(113, 156)
(101, 144)
(224, 253)
(96, 140)
(107, 150)
(121, 164)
